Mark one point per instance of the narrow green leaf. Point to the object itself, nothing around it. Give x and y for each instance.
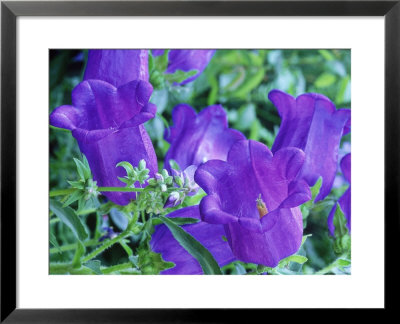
(77, 184)
(194, 247)
(178, 76)
(83, 170)
(127, 166)
(79, 252)
(250, 83)
(339, 221)
(315, 189)
(174, 165)
(73, 197)
(68, 216)
(343, 262)
(177, 220)
(297, 258)
(161, 61)
(325, 80)
(326, 54)
(53, 241)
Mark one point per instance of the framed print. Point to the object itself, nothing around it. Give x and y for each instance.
(143, 147)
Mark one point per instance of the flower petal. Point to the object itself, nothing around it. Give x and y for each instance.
(234, 189)
(117, 66)
(312, 123)
(198, 138)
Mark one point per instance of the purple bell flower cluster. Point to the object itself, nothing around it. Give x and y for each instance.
(251, 208)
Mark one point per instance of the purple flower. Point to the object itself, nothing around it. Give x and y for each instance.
(197, 138)
(187, 60)
(255, 196)
(345, 200)
(117, 66)
(209, 235)
(312, 123)
(107, 123)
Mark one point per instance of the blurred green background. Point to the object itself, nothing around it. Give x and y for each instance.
(240, 80)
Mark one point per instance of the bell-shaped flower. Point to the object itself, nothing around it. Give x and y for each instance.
(187, 60)
(255, 195)
(197, 138)
(345, 200)
(117, 66)
(312, 123)
(107, 123)
(209, 235)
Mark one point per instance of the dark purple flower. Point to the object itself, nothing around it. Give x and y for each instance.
(107, 123)
(312, 123)
(117, 66)
(209, 235)
(187, 60)
(197, 138)
(255, 195)
(345, 200)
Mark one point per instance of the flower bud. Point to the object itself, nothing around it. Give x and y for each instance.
(173, 200)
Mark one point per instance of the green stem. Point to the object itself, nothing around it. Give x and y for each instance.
(109, 243)
(117, 267)
(61, 192)
(331, 266)
(72, 246)
(120, 189)
(54, 220)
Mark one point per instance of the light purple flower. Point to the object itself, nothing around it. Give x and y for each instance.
(107, 123)
(312, 123)
(197, 138)
(209, 235)
(187, 60)
(345, 200)
(117, 66)
(255, 195)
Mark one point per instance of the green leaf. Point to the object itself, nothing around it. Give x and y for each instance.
(250, 83)
(127, 166)
(134, 260)
(315, 189)
(150, 62)
(179, 76)
(305, 237)
(255, 130)
(326, 54)
(246, 116)
(194, 247)
(161, 61)
(339, 221)
(83, 170)
(94, 265)
(73, 197)
(68, 216)
(77, 184)
(177, 220)
(325, 80)
(79, 252)
(239, 269)
(151, 263)
(174, 165)
(343, 262)
(297, 258)
(53, 241)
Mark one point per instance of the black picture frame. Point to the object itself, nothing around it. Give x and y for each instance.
(10, 10)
